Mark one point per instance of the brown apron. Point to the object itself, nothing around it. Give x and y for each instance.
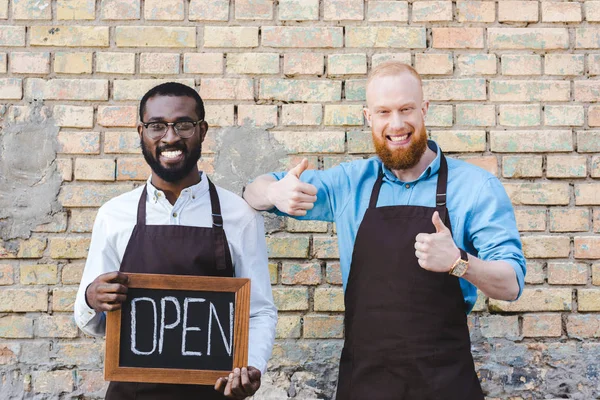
(406, 327)
(178, 250)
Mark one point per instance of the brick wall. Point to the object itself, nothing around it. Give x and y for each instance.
(514, 88)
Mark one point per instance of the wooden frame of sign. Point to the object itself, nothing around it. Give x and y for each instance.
(114, 371)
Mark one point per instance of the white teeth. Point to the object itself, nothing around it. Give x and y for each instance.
(398, 138)
(171, 154)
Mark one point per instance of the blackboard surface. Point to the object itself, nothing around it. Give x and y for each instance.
(177, 329)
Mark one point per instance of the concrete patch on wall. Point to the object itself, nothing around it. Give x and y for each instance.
(29, 179)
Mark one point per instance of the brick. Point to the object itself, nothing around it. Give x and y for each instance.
(209, 10)
(117, 116)
(290, 299)
(91, 382)
(257, 115)
(71, 273)
(159, 63)
(499, 326)
(78, 143)
(386, 37)
(564, 115)
(288, 327)
(301, 114)
(65, 168)
(329, 299)
(73, 63)
(457, 38)
(134, 89)
(69, 36)
(520, 115)
(583, 326)
(592, 11)
(542, 325)
(300, 273)
(346, 64)
(563, 64)
(588, 141)
(29, 63)
(325, 247)
(521, 64)
(379, 58)
(566, 167)
(12, 36)
(115, 63)
(254, 9)
(587, 91)
(355, 89)
(517, 11)
(203, 63)
(4, 9)
(333, 273)
(164, 10)
(87, 169)
(432, 11)
(477, 64)
(323, 327)
(561, 273)
(56, 326)
(23, 300)
(531, 220)
(439, 115)
(74, 116)
(34, 10)
(53, 381)
(39, 274)
(588, 299)
(63, 298)
(29, 248)
(476, 11)
(480, 305)
(122, 143)
(287, 246)
(303, 64)
(75, 9)
(9, 352)
(535, 272)
(460, 141)
(11, 89)
(595, 167)
(587, 247)
(273, 273)
(253, 63)
(587, 37)
(596, 274)
(538, 193)
(489, 163)
(88, 196)
(434, 64)
(16, 327)
(313, 91)
(531, 141)
(360, 142)
(120, 9)
(475, 114)
(235, 36)
(306, 37)
(3, 63)
(6, 275)
(82, 220)
(528, 38)
(74, 89)
(594, 64)
(594, 116)
(561, 11)
(596, 219)
(569, 220)
(155, 36)
(547, 299)
(455, 89)
(344, 114)
(226, 89)
(78, 353)
(546, 246)
(220, 114)
(587, 194)
(69, 247)
(298, 10)
(530, 90)
(388, 11)
(311, 142)
(57, 222)
(295, 225)
(342, 10)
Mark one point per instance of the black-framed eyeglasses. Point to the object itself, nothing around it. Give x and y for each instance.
(183, 129)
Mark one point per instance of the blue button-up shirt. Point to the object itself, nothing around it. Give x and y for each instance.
(481, 214)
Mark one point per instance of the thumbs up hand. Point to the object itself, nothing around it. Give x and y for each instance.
(437, 251)
(292, 196)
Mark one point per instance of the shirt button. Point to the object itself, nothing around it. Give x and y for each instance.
(175, 215)
(194, 197)
(159, 194)
(407, 186)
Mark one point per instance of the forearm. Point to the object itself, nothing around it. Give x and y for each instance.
(496, 279)
(255, 193)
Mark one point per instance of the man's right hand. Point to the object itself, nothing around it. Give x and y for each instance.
(107, 291)
(290, 195)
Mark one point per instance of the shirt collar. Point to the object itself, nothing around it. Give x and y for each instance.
(431, 169)
(194, 191)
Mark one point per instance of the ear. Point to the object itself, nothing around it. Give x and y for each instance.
(140, 130)
(367, 115)
(425, 107)
(203, 126)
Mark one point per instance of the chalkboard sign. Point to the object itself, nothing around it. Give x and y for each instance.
(178, 329)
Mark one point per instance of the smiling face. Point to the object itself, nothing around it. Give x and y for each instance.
(396, 114)
(172, 158)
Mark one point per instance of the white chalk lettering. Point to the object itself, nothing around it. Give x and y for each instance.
(184, 352)
(213, 310)
(133, 326)
(163, 302)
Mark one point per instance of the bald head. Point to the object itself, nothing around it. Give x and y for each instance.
(402, 76)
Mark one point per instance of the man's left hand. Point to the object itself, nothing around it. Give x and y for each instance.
(437, 251)
(240, 383)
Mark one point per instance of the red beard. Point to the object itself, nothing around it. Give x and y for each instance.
(402, 158)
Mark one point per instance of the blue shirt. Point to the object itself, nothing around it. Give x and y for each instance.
(481, 214)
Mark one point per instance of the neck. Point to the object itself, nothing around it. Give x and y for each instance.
(411, 174)
(172, 190)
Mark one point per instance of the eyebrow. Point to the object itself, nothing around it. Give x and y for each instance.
(180, 119)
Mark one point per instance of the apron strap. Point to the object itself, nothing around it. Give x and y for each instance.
(141, 211)
(442, 185)
(376, 189)
(221, 248)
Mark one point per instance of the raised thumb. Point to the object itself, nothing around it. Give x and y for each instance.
(299, 169)
(438, 223)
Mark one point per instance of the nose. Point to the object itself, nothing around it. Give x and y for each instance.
(396, 121)
(171, 136)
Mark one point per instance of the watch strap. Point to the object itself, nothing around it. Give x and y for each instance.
(463, 255)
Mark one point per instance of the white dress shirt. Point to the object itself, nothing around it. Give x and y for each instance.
(243, 226)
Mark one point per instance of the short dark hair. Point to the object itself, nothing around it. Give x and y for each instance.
(173, 89)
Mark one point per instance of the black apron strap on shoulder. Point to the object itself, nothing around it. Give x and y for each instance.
(442, 185)
(376, 189)
(141, 212)
(221, 248)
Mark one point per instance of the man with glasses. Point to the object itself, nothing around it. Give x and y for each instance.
(178, 223)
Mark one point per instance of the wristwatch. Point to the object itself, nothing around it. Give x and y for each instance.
(460, 265)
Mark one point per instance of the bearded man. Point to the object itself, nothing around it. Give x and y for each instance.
(418, 233)
(178, 223)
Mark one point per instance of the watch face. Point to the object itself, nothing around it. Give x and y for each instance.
(460, 268)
